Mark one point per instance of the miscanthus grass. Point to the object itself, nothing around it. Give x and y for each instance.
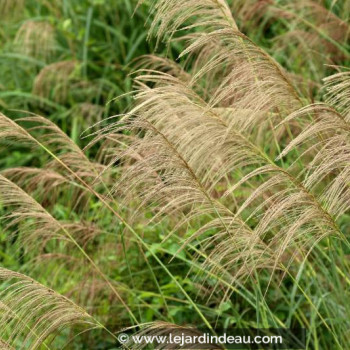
(219, 198)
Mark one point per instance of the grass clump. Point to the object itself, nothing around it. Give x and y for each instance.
(218, 198)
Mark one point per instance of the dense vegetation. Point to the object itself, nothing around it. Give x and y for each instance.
(200, 177)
